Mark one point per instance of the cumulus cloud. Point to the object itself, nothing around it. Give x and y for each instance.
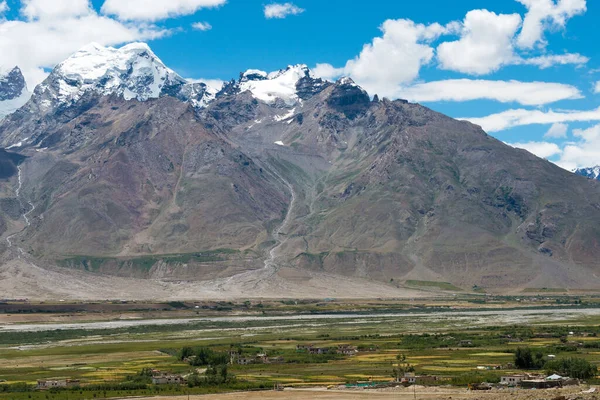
(546, 14)
(526, 93)
(557, 131)
(520, 117)
(597, 87)
(144, 10)
(281, 10)
(48, 35)
(485, 43)
(392, 59)
(202, 26)
(55, 9)
(582, 152)
(540, 149)
(327, 71)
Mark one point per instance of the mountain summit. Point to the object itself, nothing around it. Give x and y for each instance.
(13, 91)
(277, 183)
(132, 72)
(592, 173)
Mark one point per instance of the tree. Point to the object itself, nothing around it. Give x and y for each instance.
(402, 367)
(526, 359)
(573, 367)
(194, 380)
(185, 353)
(223, 373)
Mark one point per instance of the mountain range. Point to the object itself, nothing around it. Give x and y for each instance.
(275, 184)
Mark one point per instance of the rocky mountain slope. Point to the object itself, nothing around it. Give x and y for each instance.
(13, 91)
(276, 178)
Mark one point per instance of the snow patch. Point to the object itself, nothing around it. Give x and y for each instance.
(277, 85)
(290, 114)
(16, 145)
(347, 81)
(279, 143)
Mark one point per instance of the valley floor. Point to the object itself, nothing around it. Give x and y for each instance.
(459, 339)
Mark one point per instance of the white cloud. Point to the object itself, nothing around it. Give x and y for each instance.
(540, 149)
(202, 26)
(391, 60)
(281, 10)
(327, 71)
(548, 61)
(389, 64)
(485, 44)
(546, 14)
(3, 7)
(55, 9)
(519, 117)
(597, 87)
(145, 10)
(49, 36)
(527, 93)
(581, 153)
(557, 131)
(212, 83)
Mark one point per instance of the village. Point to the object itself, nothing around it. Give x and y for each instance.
(338, 355)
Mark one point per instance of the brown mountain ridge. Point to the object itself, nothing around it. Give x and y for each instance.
(246, 192)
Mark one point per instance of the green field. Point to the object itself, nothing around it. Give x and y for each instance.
(433, 284)
(457, 348)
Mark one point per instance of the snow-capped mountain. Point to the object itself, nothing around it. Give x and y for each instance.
(13, 91)
(289, 85)
(592, 173)
(135, 72)
(132, 71)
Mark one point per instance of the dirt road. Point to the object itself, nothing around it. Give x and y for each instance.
(421, 393)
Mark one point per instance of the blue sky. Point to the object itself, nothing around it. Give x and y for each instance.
(520, 68)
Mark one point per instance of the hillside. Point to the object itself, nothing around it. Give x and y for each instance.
(276, 180)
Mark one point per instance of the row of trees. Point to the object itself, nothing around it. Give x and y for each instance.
(573, 367)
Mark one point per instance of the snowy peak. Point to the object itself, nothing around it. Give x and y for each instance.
(290, 85)
(12, 84)
(132, 71)
(592, 173)
(13, 91)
